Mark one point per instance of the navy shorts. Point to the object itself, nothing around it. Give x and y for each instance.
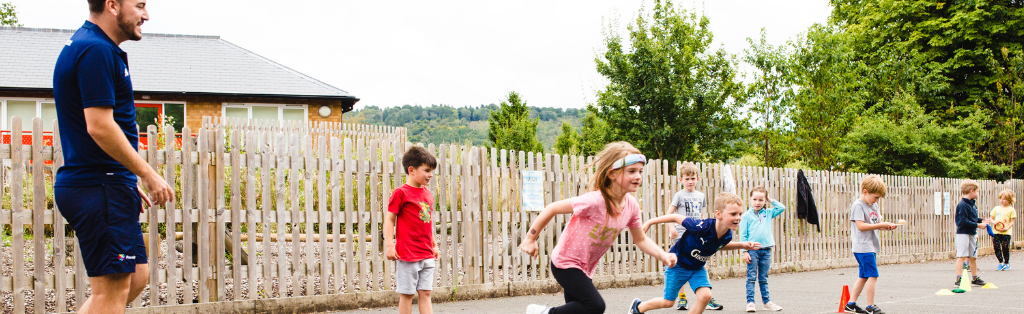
(106, 222)
(866, 265)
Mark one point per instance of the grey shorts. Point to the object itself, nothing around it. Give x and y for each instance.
(966, 245)
(413, 276)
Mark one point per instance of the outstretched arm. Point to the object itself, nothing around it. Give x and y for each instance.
(648, 246)
(742, 245)
(676, 218)
(529, 244)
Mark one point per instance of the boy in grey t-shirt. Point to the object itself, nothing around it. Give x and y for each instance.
(865, 221)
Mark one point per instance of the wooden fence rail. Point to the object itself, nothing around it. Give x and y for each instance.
(270, 211)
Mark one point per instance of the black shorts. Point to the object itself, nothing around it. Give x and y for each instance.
(106, 222)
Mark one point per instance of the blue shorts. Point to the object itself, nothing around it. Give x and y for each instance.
(676, 277)
(866, 265)
(106, 223)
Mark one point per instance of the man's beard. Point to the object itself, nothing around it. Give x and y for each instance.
(128, 28)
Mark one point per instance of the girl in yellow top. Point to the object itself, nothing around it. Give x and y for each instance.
(1003, 217)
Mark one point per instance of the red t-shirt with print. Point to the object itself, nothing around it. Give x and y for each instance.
(414, 234)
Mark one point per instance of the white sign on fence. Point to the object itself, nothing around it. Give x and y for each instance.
(945, 203)
(533, 190)
(938, 203)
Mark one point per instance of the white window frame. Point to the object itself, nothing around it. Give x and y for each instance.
(280, 109)
(26, 122)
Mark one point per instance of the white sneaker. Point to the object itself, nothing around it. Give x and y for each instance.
(771, 306)
(536, 309)
(751, 308)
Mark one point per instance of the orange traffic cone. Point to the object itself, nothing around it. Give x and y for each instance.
(845, 298)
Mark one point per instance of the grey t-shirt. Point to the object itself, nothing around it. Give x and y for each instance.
(864, 241)
(688, 204)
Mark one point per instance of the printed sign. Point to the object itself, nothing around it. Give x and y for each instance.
(533, 190)
(945, 203)
(938, 203)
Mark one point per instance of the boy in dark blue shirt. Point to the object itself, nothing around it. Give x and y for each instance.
(701, 240)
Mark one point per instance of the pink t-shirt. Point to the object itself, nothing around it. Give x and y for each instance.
(586, 237)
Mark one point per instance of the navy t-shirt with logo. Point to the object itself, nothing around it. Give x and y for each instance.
(698, 243)
(92, 71)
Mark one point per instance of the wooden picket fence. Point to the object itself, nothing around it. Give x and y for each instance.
(267, 211)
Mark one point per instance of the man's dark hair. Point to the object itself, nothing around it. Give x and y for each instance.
(416, 157)
(96, 6)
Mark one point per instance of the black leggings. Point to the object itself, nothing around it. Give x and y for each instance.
(581, 296)
(1001, 242)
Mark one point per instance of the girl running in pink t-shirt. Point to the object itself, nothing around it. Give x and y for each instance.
(597, 218)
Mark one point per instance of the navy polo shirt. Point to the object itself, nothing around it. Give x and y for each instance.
(698, 243)
(92, 71)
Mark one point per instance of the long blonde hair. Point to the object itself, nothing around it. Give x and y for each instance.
(605, 159)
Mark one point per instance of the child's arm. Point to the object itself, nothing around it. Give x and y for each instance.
(529, 244)
(389, 235)
(742, 245)
(777, 208)
(744, 236)
(648, 246)
(676, 218)
(672, 233)
(863, 226)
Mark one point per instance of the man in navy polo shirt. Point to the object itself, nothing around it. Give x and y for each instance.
(97, 188)
(702, 239)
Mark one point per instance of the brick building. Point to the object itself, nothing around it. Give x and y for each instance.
(184, 77)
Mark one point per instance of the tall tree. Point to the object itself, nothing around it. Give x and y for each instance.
(594, 133)
(510, 127)
(567, 142)
(770, 102)
(1007, 105)
(8, 16)
(952, 40)
(669, 93)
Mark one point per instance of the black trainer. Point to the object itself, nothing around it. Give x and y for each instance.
(873, 309)
(854, 309)
(977, 281)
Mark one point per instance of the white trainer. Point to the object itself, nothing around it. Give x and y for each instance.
(751, 308)
(771, 306)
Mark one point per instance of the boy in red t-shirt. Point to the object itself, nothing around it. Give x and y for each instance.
(412, 242)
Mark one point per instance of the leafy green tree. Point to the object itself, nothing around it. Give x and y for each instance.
(952, 41)
(669, 93)
(510, 127)
(568, 141)
(594, 133)
(898, 138)
(770, 102)
(8, 16)
(1007, 105)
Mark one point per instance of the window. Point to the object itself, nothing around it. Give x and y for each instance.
(149, 113)
(266, 112)
(28, 110)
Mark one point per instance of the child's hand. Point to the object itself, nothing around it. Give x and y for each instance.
(529, 247)
(646, 226)
(753, 246)
(668, 258)
(437, 254)
(672, 233)
(390, 252)
(746, 257)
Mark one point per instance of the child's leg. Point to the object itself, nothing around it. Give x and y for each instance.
(703, 296)
(675, 278)
(974, 266)
(997, 248)
(763, 267)
(960, 265)
(857, 287)
(580, 289)
(869, 289)
(405, 304)
(752, 277)
(424, 303)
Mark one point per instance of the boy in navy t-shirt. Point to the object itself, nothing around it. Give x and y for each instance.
(702, 239)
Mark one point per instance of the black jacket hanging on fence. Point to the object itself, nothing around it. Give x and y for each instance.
(805, 208)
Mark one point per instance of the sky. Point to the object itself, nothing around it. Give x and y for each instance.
(458, 53)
